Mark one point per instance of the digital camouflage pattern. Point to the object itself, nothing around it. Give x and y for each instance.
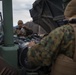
(59, 41)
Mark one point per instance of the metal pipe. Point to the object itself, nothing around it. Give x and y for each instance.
(7, 23)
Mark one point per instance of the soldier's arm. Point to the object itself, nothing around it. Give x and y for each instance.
(42, 54)
(28, 29)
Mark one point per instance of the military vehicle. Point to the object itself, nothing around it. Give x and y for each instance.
(46, 13)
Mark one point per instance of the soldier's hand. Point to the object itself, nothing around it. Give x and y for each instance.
(18, 31)
(32, 43)
(24, 26)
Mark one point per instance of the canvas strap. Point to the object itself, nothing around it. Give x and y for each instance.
(74, 27)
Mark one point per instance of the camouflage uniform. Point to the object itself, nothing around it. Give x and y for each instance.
(59, 41)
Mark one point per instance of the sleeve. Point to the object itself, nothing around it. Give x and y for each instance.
(28, 31)
(42, 54)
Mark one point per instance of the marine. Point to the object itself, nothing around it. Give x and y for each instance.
(60, 41)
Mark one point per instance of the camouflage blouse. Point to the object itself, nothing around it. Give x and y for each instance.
(59, 41)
